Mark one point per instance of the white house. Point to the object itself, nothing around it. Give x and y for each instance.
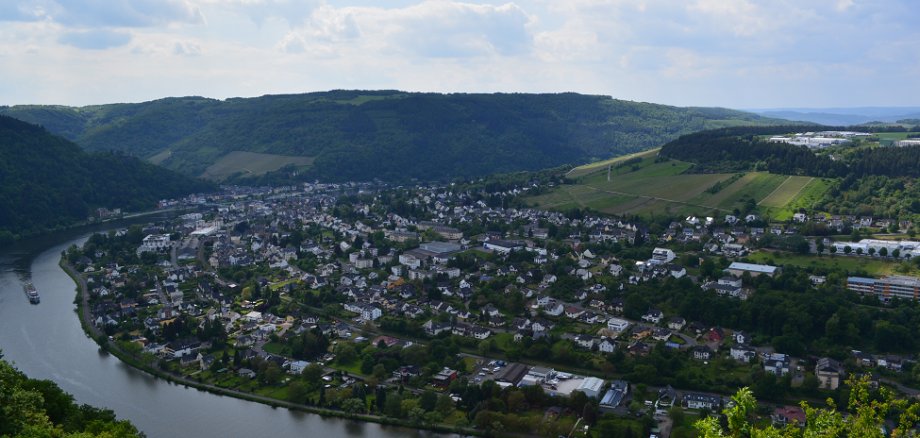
(661, 256)
(617, 324)
(606, 346)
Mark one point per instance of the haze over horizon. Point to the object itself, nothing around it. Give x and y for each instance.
(739, 54)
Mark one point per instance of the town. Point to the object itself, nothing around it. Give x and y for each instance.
(457, 305)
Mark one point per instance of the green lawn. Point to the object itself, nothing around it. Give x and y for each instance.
(851, 264)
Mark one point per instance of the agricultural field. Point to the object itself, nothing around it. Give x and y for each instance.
(250, 163)
(597, 166)
(648, 187)
(786, 191)
(159, 157)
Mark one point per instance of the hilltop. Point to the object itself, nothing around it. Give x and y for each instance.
(363, 135)
(48, 182)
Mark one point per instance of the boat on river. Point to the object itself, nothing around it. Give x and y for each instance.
(31, 293)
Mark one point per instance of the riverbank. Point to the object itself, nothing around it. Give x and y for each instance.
(86, 223)
(84, 315)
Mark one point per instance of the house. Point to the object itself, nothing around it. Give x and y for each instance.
(554, 309)
(740, 337)
(297, 366)
(653, 316)
(715, 334)
(481, 333)
(661, 256)
(667, 396)
(606, 345)
(702, 352)
(573, 312)
(639, 348)
(433, 328)
(786, 415)
(829, 373)
(677, 271)
(742, 353)
(776, 363)
(661, 334)
(677, 323)
(443, 378)
(694, 400)
(584, 341)
(617, 324)
(370, 313)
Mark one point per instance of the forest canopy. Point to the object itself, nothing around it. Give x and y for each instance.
(47, 182)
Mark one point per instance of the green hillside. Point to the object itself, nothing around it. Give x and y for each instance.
(48, 182)
(655, 186)
(391, 135)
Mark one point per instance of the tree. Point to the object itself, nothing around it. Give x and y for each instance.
(444, 405)
(868, 412)
(298, 392)
(428, 400)
(393, 407)
(379, 371)
(354, 406)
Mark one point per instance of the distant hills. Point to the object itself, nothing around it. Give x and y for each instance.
(362, 135)
(48, 182)
(845, 116)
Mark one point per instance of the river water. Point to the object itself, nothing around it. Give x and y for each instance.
(46, 341)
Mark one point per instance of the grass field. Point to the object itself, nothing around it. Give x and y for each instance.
(650, 188)
(602, 165)
(160, 157)
(852, 264)
(896, 135)
(786, 191)
(251, 163)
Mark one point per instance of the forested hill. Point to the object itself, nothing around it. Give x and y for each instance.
(48, 182)
(744, 148)
(391, 135)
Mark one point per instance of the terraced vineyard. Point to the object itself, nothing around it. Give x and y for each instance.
(648, 187)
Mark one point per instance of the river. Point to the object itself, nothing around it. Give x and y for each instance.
(46, 341)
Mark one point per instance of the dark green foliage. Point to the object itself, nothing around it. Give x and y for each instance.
(891, 161)
(736, 149)
(40, 408)
(48, 182)
(391, 135)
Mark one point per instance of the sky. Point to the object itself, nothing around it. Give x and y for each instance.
(730, 53)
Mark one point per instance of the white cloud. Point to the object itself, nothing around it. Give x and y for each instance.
(431, 29)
